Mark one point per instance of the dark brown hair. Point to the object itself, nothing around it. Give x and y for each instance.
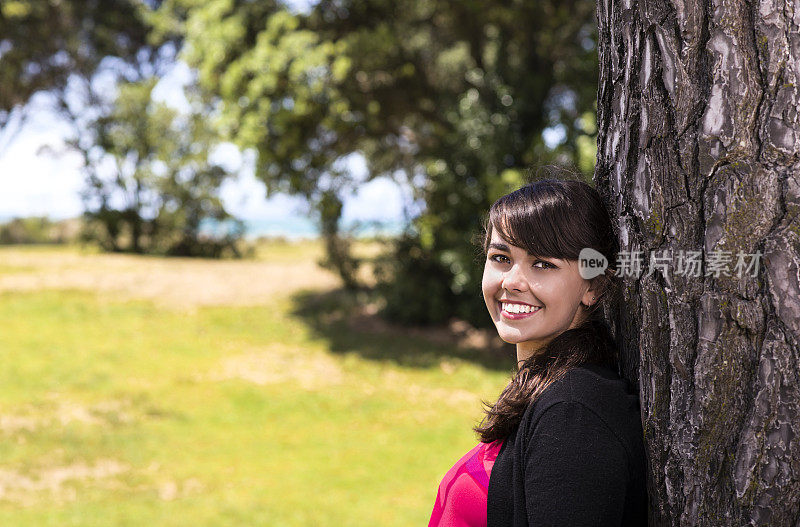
(553, 218)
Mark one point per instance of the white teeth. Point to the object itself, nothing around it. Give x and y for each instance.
(518, 308)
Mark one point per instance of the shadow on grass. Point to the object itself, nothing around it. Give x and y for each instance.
(348, 323)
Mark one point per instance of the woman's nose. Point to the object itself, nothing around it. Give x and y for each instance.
(513, 279)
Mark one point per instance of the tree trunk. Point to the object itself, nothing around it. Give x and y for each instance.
(698, 147)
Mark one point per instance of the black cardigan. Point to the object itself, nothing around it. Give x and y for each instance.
(576, 459)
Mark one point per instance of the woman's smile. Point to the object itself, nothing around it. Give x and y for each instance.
(517, 310)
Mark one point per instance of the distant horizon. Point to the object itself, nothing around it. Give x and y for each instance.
(287, 227)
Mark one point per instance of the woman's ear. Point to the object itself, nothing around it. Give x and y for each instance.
(589, 297)
(597, 286)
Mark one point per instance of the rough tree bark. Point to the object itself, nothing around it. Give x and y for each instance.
(698, 147)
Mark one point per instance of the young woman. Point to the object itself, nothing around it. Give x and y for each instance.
(562, 446)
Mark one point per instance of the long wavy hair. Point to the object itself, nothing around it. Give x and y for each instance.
(554, 218)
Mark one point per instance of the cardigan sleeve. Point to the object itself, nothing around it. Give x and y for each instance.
(575, 470)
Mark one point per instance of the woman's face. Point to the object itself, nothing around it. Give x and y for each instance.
(530, 299)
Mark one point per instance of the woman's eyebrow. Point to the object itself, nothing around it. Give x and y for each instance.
(499, 246)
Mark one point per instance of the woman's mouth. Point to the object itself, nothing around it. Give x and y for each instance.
(516, 311)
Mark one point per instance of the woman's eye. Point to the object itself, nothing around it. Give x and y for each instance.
(544, 265)
(500, 258)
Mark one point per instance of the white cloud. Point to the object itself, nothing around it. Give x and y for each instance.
(36, 183)
(379, 199)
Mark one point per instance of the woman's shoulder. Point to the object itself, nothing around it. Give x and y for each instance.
(595, 391)
(592, 384)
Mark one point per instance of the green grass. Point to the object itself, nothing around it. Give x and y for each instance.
(118, 412)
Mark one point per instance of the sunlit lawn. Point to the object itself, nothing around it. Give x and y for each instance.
(115, 411)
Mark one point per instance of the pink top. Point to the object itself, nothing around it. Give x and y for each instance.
(461, 501)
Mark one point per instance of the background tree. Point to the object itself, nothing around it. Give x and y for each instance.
(449, 98)
(150, 178)
(162, 184)
(698, 150)
(43, 42)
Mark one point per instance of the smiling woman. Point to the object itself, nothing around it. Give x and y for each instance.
(562, 446)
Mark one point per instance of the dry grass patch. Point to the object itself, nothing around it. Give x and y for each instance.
(175, 282)
(278, 363)
(58, 412)
(428, 395)
(170, 490)
(55, 483)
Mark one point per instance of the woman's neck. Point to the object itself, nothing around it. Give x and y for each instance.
(526, 350)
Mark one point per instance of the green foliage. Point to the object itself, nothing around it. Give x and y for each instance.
(163, 184)
(44, 42)
(409, 272)
(38, 230)
(450, 98)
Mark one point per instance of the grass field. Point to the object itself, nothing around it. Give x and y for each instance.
(145, 391)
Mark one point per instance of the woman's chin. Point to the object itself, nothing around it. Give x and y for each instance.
(510, 337)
